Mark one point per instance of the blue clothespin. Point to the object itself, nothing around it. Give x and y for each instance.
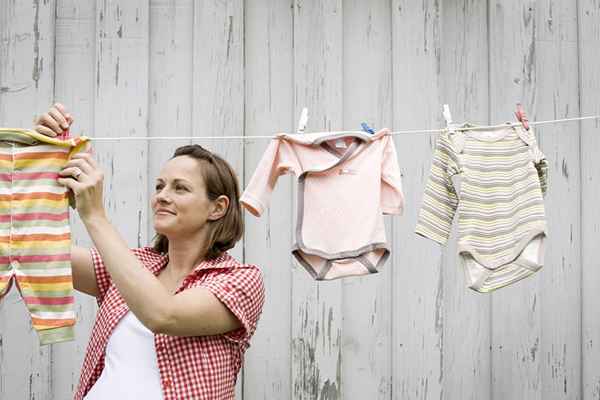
(367, 128)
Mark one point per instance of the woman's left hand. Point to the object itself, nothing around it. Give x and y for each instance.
(85, 179)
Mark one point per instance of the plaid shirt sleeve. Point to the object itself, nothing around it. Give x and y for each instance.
(241, 290)
(103, 280)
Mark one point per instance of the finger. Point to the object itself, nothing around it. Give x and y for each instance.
(71, 172)
(87, 158)
(60, 108)
(70, 183)
(50, 122)
(58, 117)
(45, 131)
(73, 168)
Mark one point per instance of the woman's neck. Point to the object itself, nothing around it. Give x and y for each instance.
(186, 254)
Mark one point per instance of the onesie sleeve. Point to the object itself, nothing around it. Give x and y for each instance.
(439, 198)
(540, 162)
(278, 159)
(392, 198)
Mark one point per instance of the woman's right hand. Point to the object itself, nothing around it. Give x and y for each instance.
(55, 122)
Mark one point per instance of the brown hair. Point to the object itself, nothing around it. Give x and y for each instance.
(220, 180)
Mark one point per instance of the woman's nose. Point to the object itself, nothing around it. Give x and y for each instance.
(163, 197)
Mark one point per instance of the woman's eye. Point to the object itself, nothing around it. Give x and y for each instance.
(180, 188)
(158, 187)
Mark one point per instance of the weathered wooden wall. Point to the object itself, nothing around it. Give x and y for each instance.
(231, 67)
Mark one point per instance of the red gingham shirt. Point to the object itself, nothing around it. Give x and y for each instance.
(200, 367)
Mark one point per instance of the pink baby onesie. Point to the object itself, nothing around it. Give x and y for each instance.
(345, 183)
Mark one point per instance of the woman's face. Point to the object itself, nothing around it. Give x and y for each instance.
(180, 204)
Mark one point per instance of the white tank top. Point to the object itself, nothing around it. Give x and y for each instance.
(130, 368)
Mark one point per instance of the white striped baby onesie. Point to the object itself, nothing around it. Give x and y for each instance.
(494, 181)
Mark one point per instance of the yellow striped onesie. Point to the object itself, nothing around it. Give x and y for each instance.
(493, 180)
(35, 240)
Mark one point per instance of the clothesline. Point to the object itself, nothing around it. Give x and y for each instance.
(470, 128)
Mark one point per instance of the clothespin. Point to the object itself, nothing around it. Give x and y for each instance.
(365, 127)
(66, 134)
(303, 120)
(521, 117)
(447, 115)
(457, 136)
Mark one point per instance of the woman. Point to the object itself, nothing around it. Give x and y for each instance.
(175, 319)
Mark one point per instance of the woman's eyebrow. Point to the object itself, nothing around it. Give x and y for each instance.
(181, 180)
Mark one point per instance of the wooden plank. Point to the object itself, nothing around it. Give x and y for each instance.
(121, 109)
(317, 307)
(26, 89)
(170, 83)
(515, 352)
(589, 93)
(557, 97)
(418, 286)
(218, 85)
(74, 86)
(269, 94)
(367, 96)
(464, 77)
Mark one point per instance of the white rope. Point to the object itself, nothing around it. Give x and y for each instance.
(470, 128)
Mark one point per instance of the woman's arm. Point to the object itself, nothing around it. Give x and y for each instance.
(84, 276)
(194, 312)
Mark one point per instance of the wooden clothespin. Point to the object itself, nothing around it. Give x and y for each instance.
(303, 120)
(521, 116)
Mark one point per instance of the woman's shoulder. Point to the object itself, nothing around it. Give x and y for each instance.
(147, 255)
(227, 263)
(227, 267)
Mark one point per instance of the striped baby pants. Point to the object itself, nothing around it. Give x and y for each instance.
(35, 241)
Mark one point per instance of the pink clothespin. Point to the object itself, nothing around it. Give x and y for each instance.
(66, 134)
(521, 117)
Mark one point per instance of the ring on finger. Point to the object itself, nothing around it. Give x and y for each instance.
(76, 174)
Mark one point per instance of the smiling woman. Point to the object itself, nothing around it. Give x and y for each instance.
(188, 198)
(175, 319)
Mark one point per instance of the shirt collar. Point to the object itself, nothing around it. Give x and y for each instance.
(223, 261)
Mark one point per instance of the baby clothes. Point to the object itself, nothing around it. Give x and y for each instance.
(494, 179)
(35, 242)
(345, 183)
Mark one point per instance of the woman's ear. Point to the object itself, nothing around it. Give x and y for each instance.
(220, 207)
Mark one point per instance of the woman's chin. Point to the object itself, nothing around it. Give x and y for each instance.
(163, 229)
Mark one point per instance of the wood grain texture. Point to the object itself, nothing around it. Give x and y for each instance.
(269, 104)
(589, 95)
(418, 286)
(556, 96)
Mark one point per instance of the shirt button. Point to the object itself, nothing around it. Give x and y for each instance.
(167, 383)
